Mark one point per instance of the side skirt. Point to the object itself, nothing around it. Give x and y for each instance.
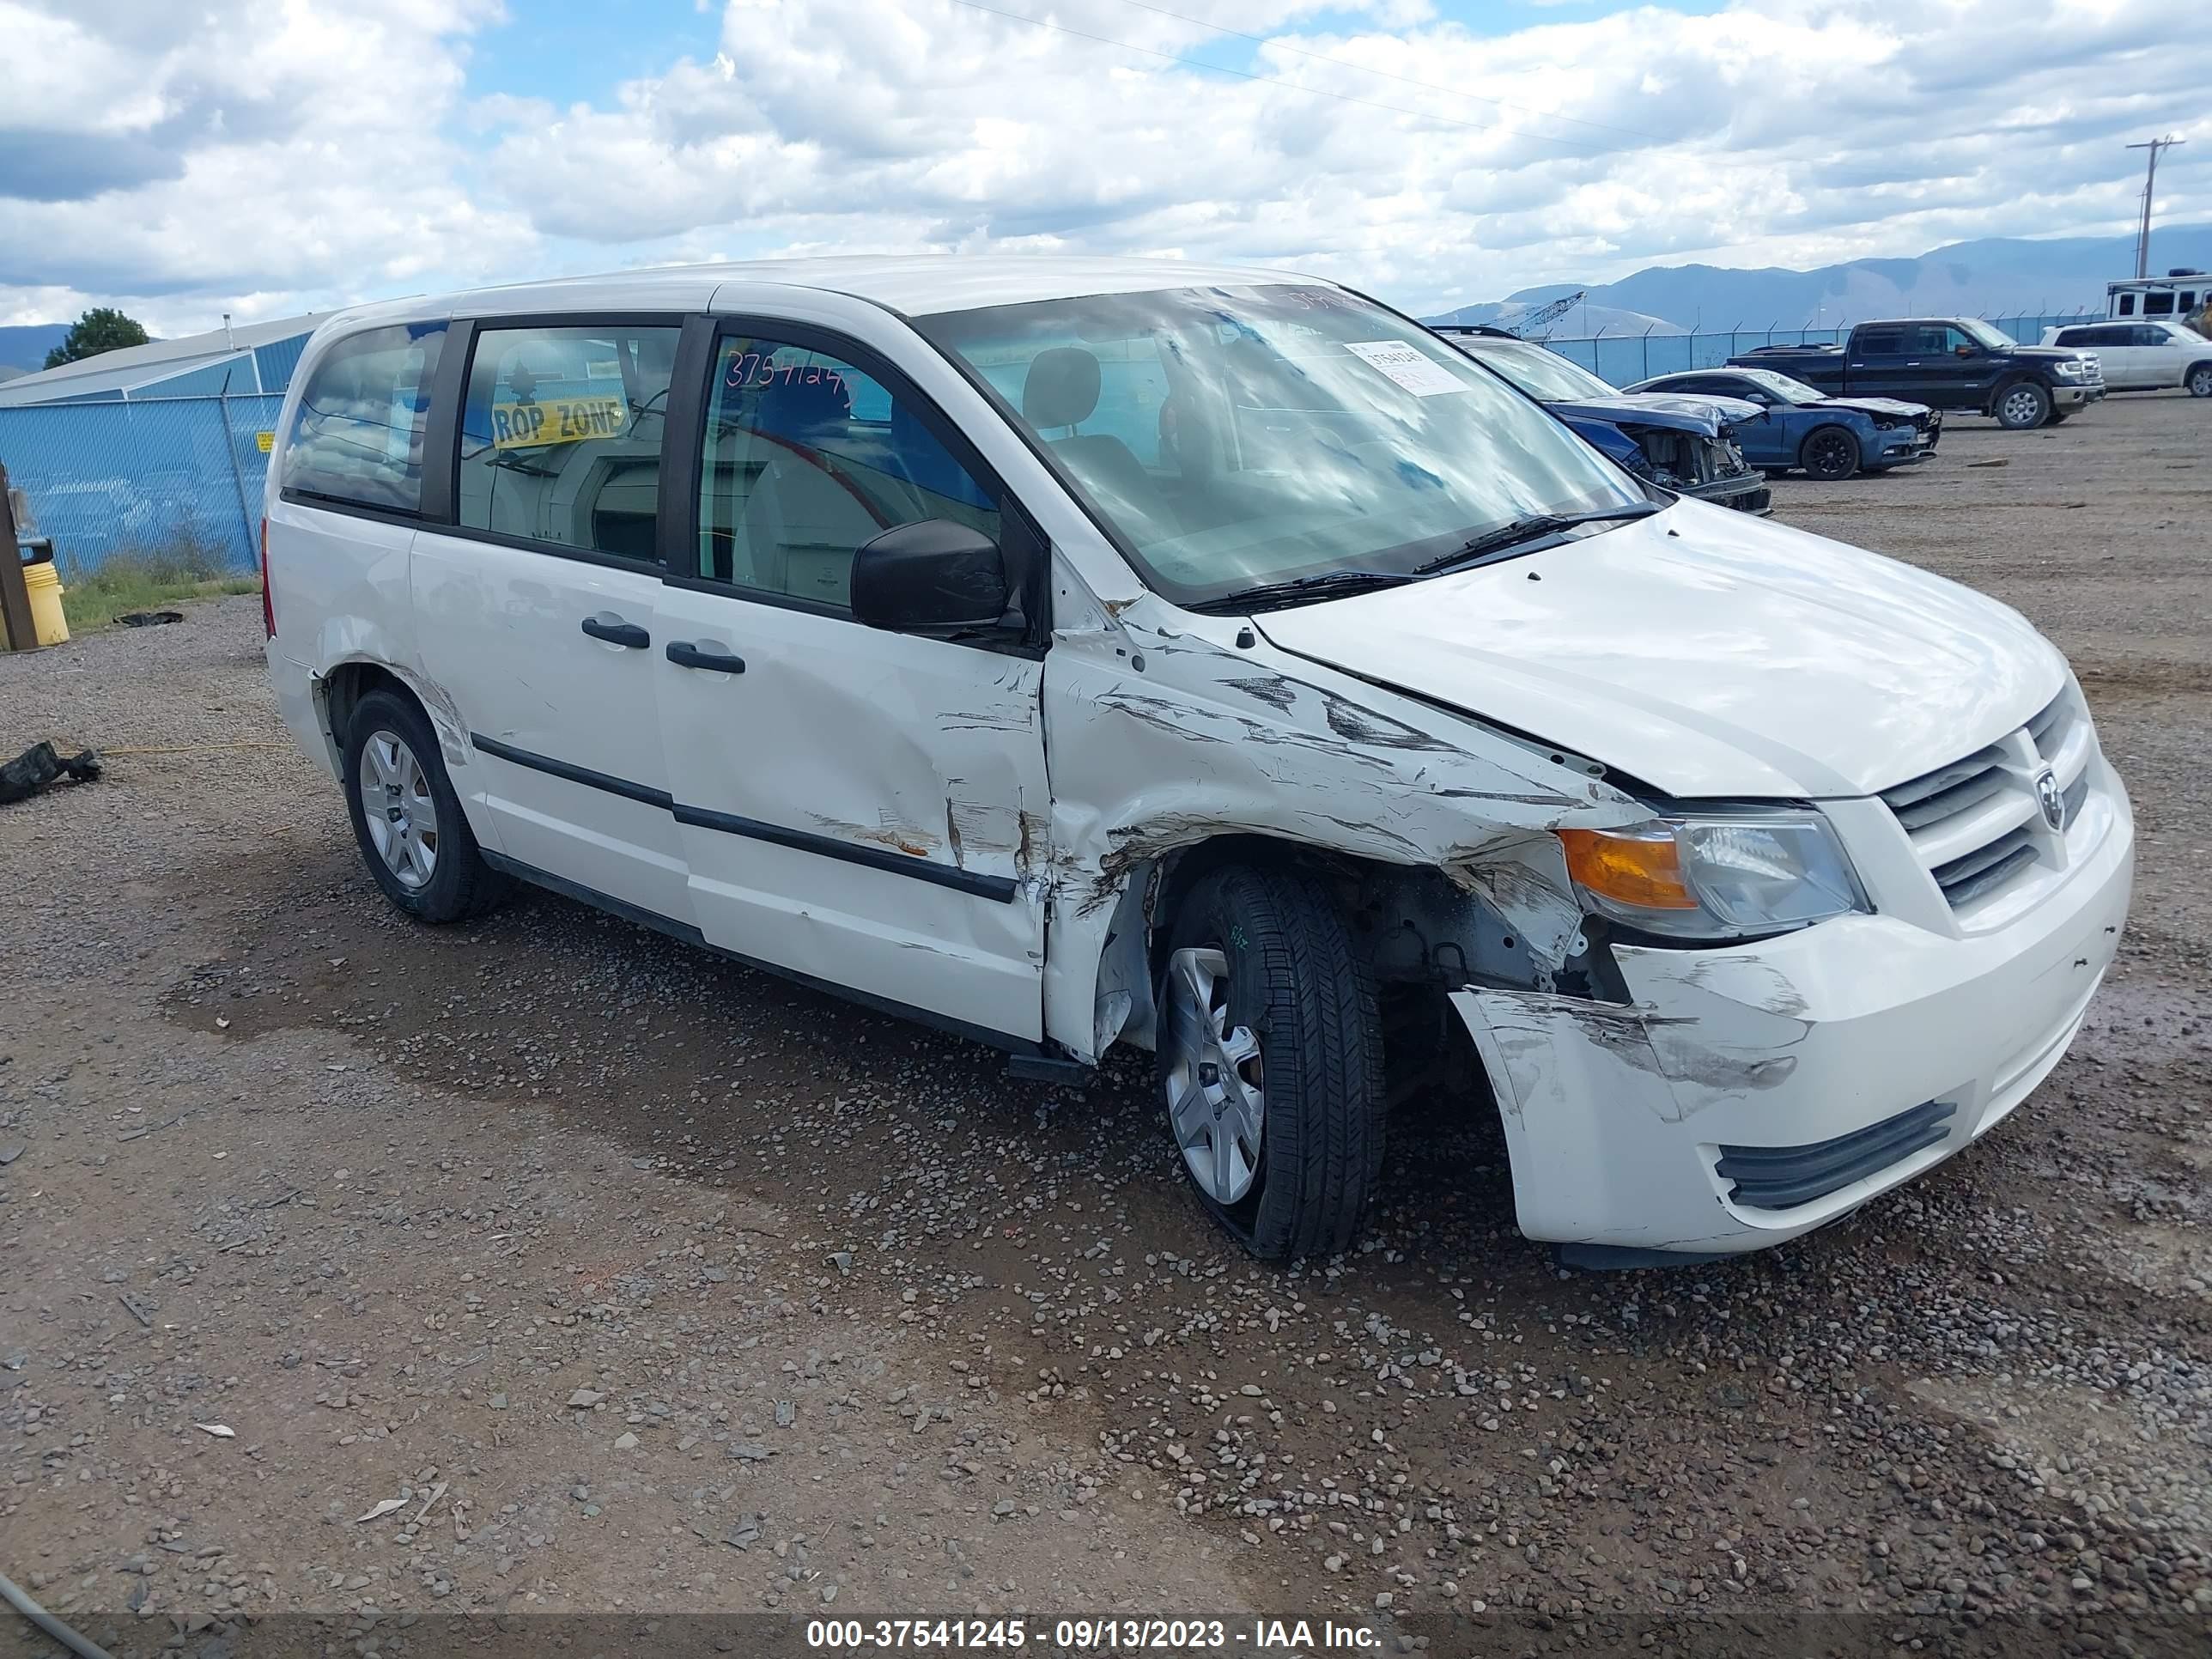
(1021, 1048)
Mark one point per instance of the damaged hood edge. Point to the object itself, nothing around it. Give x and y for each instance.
(1707, 653)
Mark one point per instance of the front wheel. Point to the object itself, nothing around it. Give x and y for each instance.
(407, 817)
(2023, 407)
(1271, 1062)
(1830, 453)
(2200, 380)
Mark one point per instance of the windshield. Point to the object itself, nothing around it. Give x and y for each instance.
(1995, 339)
(1784, 387)
(1542, 373)
(1232, 437)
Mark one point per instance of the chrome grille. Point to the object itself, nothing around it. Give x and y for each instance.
(1976, 823)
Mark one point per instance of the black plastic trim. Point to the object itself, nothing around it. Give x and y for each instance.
(583, 775)
(1006, 1041)
(1786, 1177)
(999, 889)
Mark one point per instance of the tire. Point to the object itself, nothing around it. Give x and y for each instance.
(1261, 982)
(1829, 453)
(2199, 380)
(2021, 407)
(433, 869)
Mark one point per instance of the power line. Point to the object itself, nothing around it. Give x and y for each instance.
(1388, 74)
(1276, 81)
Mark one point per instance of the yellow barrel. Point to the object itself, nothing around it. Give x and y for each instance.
(46, 617)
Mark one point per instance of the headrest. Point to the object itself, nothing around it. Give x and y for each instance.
(1062, 388)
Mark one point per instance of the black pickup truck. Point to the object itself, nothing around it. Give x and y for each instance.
(1946, 363)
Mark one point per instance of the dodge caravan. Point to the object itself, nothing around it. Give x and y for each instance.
(1081, 652)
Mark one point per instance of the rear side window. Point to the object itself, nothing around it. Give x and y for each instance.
(2157, 304)
(1881, 342)
(2073, 337)
(2127, 304)
(561, 435)
(358, 437)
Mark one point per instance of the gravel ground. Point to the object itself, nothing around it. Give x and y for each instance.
(645, 1283)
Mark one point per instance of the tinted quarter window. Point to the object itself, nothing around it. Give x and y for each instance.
(358, 436)
(561, 434)
(2074, 337)
(806, 459)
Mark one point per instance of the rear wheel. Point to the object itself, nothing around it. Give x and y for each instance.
(406, 817)
(1829, 452)
(2200, 380)
(2021, 407)
(1271, 1062)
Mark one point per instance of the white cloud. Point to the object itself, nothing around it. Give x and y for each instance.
(307, 151)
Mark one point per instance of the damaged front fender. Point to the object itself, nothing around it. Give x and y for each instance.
(1165, 732)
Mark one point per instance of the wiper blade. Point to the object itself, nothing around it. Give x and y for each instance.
(1522, 531)
(1321, 584)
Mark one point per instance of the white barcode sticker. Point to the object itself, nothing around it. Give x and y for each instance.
(1411, 368)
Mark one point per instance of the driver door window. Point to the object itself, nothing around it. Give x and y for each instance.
(805, 459)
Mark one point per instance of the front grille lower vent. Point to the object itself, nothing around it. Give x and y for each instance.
(1784, 1177)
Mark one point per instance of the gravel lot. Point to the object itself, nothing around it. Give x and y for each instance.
(662, 1286)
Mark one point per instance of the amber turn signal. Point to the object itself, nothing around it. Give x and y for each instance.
(1643, 870)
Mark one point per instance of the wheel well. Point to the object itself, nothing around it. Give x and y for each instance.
(1997, 394)
(344, 688)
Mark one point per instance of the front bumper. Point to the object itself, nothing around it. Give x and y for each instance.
(1696, 1118)
(1747, 492)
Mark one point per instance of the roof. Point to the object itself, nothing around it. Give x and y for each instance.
(915, 284)
(135, 366)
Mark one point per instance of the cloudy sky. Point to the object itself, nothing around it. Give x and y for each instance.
(184, 157)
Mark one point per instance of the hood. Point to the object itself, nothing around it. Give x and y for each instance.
(2048, 353)
(1705, 652)
(1707, 416)
(1895, 409)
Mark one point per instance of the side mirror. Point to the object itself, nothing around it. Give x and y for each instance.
(933, 577)
(1965, 351)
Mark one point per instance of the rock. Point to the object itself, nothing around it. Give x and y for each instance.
(585, 1399)
(625, 1442)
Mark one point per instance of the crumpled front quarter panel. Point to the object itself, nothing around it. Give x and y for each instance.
(1159, 736)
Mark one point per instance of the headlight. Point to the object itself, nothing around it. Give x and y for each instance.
(2072, 369)
(1714, 877)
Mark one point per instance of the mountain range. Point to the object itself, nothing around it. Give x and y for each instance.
(1996, 277)
(22, 350)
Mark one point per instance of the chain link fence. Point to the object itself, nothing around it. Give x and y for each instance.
(150, 476)
(1623, 359)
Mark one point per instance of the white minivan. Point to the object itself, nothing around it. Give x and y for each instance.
(1071, 652)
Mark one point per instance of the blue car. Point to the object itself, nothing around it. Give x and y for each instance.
(1804, 427)
(1681, 443)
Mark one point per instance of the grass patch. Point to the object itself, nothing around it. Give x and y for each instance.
(150, 578)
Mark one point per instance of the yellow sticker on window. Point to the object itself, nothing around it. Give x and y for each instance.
(265, 442)
(556, 421)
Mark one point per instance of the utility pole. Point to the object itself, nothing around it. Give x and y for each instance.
(2150, 179)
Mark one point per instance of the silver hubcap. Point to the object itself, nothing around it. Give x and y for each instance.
(397, 805)
(1215, 1100)
(2020, 407)
(2200, 383)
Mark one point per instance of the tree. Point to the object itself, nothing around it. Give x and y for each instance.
(103, 328)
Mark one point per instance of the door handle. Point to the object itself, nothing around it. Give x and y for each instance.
(686, 654)
(615, 631)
